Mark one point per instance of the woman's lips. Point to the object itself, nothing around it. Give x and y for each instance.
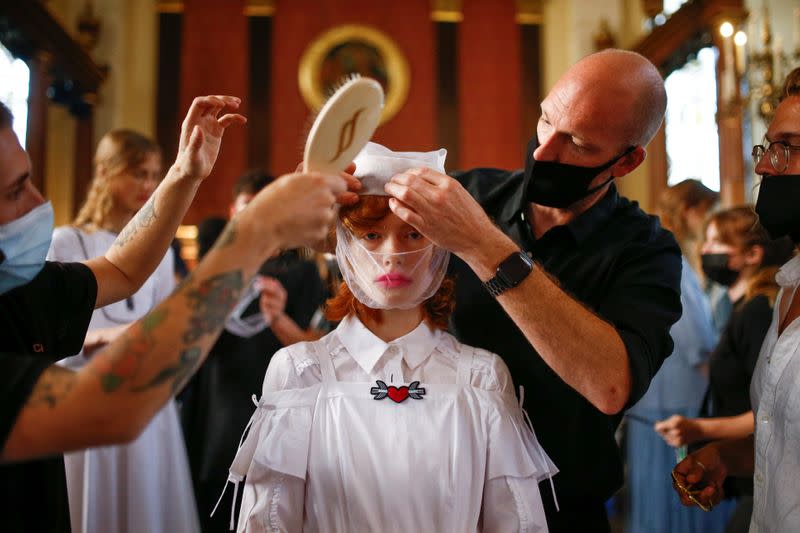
(393, 280)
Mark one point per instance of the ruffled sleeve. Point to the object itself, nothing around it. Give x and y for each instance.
(515, 465)
(272, 460)
(513, 449)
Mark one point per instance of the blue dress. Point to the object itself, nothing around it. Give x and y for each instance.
(677, 388)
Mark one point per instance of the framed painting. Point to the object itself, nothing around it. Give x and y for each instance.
(353, 49)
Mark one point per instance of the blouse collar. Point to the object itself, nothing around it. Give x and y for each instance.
(367, 349)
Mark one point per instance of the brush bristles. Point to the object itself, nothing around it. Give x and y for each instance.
(341, 83)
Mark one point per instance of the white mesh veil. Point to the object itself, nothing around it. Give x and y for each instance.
(388, 275)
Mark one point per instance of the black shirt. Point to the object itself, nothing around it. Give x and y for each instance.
(731, 369)
(734, 359)
(43, 321)
(217, 402)
(618, 262)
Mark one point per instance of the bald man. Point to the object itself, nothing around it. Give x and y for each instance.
(572, 285)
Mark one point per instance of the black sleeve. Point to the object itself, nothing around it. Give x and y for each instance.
(48, 317)
(75, 290)
(643, 303)
(751, 328)
(18, 375)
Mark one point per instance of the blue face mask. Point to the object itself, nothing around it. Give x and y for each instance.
(24, 243)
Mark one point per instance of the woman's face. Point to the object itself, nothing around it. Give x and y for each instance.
(132, 188)
(713, 245)
(394, 259)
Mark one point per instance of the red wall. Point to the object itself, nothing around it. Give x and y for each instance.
(489, 85)
(298, 22)
(214, 59)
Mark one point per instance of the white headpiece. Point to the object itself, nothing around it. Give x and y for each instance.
(381, 278)
(376, 164)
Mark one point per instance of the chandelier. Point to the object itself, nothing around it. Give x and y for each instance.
(765, 67)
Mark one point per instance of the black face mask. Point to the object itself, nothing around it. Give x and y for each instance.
(777, 205)
(715, 267)
(558, 184)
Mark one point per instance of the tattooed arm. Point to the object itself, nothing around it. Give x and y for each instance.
(142, 243)
(113, 397)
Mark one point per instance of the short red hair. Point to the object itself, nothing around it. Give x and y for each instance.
(436, 310)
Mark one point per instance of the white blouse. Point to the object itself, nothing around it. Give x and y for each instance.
(507, 462)
(775, 395)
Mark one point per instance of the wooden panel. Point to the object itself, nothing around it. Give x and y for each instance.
(168, 115)
(489, 82)
(30, 28)
(83, 160)
(298, 22)
(36, 137)
(260, 88)
(214, 60)
(531, 72)
(447, 91)
(667, 46)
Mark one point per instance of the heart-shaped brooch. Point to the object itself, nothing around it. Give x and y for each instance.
(397, 394)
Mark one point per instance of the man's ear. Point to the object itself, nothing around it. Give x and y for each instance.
(628, 162)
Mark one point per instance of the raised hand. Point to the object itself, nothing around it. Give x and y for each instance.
(296, 209)
(202, 131)
(440, 208)
(350, 196)
(272, 301)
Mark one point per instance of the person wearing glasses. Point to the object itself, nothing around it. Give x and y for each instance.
(144, 485)
(770, 455)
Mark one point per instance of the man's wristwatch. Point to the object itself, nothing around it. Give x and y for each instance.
(510, 273)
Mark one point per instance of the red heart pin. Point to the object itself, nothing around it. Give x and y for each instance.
(398, 394)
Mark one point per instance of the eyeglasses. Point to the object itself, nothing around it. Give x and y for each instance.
(779, 154)
(691, 493)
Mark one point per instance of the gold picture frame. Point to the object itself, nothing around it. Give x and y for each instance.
(348, 49)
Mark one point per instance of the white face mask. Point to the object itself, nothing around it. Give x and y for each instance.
(24, 243)
(382, 279)
(250, 325)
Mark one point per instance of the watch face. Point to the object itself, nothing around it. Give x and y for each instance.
(514, 269)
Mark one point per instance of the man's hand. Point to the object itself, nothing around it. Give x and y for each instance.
(348, 197)
(202, 131)
(679, 431)
(442, 210)
(699, 477)
(295, 210)
(272, 301)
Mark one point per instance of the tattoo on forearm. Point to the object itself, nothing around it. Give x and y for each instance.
(178, 373)
(53, 385)
(143, 219)
(211, 301)
(116, 367)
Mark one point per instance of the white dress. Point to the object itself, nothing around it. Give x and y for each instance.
(144, 486)
(328, 448)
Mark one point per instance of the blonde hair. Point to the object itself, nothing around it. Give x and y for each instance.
(674, 201)
(117, 152)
